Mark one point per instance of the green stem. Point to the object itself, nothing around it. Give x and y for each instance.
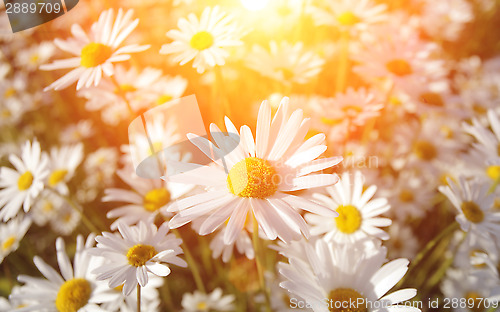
(430, 245)
(191, 263)
(167, 296)
(138, 298)
(258, 260)
(340, 82)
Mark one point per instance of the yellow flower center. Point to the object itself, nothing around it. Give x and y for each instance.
(478, 305)
(447, 132)
(47, 206)
(8, 243)
(94, 54)
(155, 199)
(330, 121)
(125, 88)
(352, 110)
(34, 59)
(57, 176)
(341, 299)
(157, 146)
(476, 253)
(425, 150)
(432, 98)
(10, 92)
(202, 40)
(253, 177)
(139, 254)
(163, 99)
(493, 172)
(399, 67)
(472, 212)
(202, 306)
(73, 295)
(348, 19)
(286, 73)
(25, 180)
(349, 219)
(406, 196)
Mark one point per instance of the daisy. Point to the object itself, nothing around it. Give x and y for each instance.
(446, 19)
(11, 234)
(349, 15)
(15, 100)
(116, 301)
(354, 107)
(477, 253)
(135, 252)
(75, 289)
(243, 244)
(34, 56)
(472, 286)
(488, 142)
(214, 301)
(145, 201)
(357, 210)
(403, 242)
(140, 90)
(63, 162)
(65, 220)
(22, 186)
(255, 178)
(331, 275)
(76, 133)
(285, 62)
(96, 52)
(204, 40)
(474, 205)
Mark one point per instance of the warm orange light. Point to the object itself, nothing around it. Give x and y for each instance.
(254, 5)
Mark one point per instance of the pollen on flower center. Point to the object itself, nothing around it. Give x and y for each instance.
(202, 40)
(201, 306)
(399, 67)
(155, 199)
(406, 196)
(163, 99)
(493, 172)
(57, 176)
(425, 150)
(94, 54)
(253, 177)
(73, 295)
(25, 180)
(472, 212)
(139, 254)
(349, 219)
(348, 19)
(8, 242)
(340, 300)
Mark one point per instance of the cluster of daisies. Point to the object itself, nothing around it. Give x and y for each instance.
(352, 155)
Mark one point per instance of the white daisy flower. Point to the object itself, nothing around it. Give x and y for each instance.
(331, 275)
(446, 19)
(116, 301)
(63, 162)
(214, 301)
(477, 253)
(243, 244)
(65, 220)
(488, 142)
(357, 210)
(11, 234)
(204, 40)
(145, 201)
(285, 62)
(353, 107)
(31, 58)
(403, 243)
(138, 250)
(349, 15)
(141, 90)
(22, 186)
(10, 304)
(256, 177)
(76, 133)
(474, 205)
(75, 289)
(15, 100)
(480, 289)
(96, 52)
